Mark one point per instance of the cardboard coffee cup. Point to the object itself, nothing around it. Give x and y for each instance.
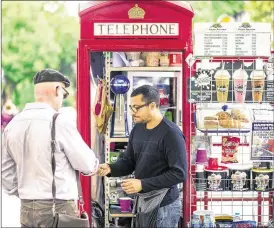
(257, 81)
(222, 85)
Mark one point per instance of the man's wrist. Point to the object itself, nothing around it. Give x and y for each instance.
(109, 174)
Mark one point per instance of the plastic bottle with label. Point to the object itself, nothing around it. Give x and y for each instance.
(236, 217)
(208, 222)
(196, 222)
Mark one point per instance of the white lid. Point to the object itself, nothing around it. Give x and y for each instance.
(203, 212)
(259, 64)
(223, 73)
(205, 64)
(239, 166)
(257, 74)
(200, 167)
(240, 74)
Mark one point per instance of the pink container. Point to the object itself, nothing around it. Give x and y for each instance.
(201, 156)
(125, 204)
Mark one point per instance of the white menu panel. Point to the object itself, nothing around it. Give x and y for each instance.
(232, 39)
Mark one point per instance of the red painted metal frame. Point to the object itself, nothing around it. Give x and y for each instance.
(83, 101)
(206, 199)
(114, 11)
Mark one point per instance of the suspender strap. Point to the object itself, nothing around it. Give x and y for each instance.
(53, 165)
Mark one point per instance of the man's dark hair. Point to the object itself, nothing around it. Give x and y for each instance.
(150, 94)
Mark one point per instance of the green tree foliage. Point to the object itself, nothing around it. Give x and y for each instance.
(262, 11)
(34, 38)
(209, 11)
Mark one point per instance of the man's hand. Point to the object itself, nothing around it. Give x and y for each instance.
(103, 170)
(131, 186)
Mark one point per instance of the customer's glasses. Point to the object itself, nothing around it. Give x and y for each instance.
(135, 108)
(65, 94)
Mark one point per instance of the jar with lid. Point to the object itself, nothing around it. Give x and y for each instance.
(164, 59)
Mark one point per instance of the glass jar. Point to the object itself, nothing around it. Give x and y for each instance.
(164, 59)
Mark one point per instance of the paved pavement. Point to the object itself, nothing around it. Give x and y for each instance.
(10, 208)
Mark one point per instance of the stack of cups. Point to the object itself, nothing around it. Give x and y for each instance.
(200, 178)
(201, 161)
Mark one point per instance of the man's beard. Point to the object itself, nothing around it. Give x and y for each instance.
(142, 121)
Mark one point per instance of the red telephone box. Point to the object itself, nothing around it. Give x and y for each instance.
(132, 26)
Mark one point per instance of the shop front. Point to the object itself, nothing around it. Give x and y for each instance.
(218, 90)
(146, 42)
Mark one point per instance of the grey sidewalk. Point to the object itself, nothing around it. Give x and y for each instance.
(10, 209)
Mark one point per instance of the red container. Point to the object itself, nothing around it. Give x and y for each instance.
(175, 59)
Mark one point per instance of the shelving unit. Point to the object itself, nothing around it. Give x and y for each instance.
(111, 213)
(252, 205)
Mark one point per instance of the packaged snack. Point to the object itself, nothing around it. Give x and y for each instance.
(230, 146)
(211, 122)
(238, 115)
(226, 120)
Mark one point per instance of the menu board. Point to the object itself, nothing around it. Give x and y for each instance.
(232, 39)
(262, 141)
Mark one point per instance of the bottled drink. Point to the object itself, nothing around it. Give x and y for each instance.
(196, 222)
(208, 223)
(236, 217)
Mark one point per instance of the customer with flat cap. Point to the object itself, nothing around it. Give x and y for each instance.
(26, 154)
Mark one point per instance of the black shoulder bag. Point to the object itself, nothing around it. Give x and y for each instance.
(62, 220)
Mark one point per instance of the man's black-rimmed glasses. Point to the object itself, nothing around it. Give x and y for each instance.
(135, 108)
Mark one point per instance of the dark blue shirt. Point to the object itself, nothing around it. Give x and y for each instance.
(158, 157)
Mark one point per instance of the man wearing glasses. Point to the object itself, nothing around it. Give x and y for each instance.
(156, 152)
(26, 154)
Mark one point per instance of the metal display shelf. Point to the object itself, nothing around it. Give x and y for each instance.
(115, 213)
(162, 69)
(112, 214)
(117, 139)
(252, 205)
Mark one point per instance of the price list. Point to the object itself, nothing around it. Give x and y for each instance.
(232, 41)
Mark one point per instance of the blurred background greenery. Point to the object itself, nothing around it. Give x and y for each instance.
(44, 34)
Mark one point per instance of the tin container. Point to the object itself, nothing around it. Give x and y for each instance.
(216, 178)
(262, 180)
(239, 177)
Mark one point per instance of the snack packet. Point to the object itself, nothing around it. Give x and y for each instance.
(230, 146)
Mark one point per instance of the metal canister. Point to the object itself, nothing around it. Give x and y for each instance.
(239, 177)
(262, 179)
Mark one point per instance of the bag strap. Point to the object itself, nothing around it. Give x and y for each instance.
(53, 165)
